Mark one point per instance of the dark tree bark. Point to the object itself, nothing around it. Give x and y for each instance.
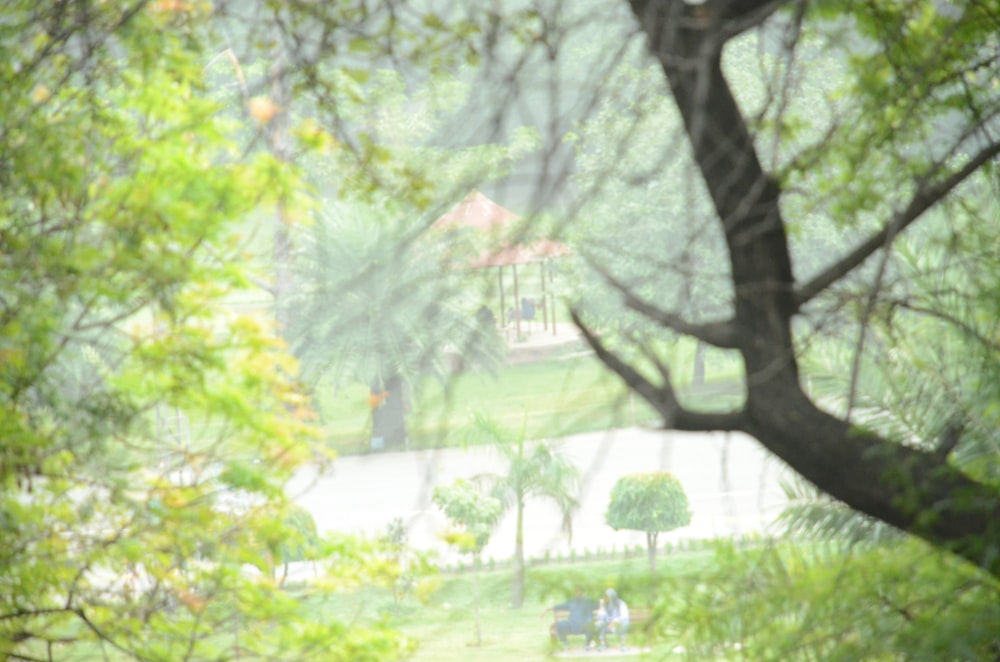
(915, 490)
(389, 413)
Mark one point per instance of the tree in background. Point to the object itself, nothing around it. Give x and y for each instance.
(467, 506)
(650, 502)
(539, 471)
(378, 301)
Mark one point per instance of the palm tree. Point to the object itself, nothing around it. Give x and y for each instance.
(538, 471)
(376, 302)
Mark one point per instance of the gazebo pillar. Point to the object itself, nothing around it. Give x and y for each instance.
(517, 302)
(503, 308)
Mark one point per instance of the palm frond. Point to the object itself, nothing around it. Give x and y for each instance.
(812, 515)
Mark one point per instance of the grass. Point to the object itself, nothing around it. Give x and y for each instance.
(444, 625)
(552, 398)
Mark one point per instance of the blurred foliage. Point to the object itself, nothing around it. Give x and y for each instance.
(879, 602)
(148, 426)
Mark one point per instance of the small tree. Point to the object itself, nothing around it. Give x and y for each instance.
(476, 513)
(650, 502)
(537, 471)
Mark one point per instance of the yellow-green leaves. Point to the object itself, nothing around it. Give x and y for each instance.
(148, 424)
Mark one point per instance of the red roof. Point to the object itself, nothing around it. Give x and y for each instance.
(479, 212)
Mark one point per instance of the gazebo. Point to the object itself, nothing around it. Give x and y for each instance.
(479, 213)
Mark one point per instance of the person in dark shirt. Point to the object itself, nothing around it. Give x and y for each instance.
(579, 620)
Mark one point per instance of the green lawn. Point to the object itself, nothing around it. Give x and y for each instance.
(553, 398)
(444, 625)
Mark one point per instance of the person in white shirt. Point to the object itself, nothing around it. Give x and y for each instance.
(614, 620)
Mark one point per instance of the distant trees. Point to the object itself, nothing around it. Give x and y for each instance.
(650, 502)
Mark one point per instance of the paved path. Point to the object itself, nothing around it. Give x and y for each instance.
(732, 483)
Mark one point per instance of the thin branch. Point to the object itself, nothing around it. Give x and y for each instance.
(26, 613)
(103, 637)
(662, 398)
(741, 15)
(961, 325)
(863, 326)
(924, 198)
(720, 334)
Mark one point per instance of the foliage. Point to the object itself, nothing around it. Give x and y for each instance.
(467, 506)
(538, 472)
(828, 603)
(652, 502)
(477, 513)
(932, 388)
(413, 571)
(132, 397)
(304, 541)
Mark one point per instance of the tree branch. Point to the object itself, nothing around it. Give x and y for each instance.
(662, 398)
(961, 325)
(925, 198)
(869, 473)
(720, 334)
(950, 437)
(741, 15)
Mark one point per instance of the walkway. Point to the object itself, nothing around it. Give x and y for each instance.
(732, 483)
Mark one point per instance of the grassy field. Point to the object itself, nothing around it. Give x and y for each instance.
(553, 398)
(444, 624)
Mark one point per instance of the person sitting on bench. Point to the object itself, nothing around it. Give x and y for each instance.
(579, 620)
(615, 619)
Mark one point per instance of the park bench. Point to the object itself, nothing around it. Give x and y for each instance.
(639, 621)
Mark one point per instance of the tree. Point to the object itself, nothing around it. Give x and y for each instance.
(377, 302)
(901, 81)
(477, 514)
(650, 502)
(132, 394)
(539, 471)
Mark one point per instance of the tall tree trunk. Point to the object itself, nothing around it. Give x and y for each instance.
(278, 143)
(389, 413)
(476, 563)
(698, 378)
(517, 592)
(651, 550)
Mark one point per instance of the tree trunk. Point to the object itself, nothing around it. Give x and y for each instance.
(476, 562)
(698, 378)
(517, 590)
(279, 145)
(389, 413)
(651, 550)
